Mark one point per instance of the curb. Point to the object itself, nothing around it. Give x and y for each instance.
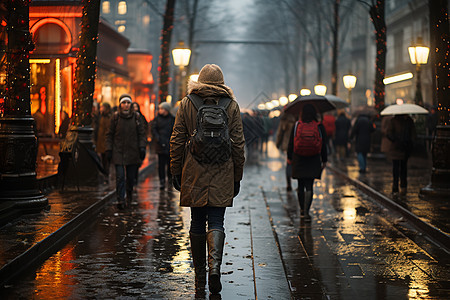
(436, 235)
(42, 250)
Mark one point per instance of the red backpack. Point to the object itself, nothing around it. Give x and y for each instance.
(307, 139)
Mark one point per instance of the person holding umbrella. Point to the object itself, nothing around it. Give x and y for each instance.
(401, 131)
(307, 153)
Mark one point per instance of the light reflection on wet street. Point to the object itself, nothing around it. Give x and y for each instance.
(352, 248)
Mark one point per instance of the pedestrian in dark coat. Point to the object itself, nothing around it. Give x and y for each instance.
(307, 168)
(402, 133)
(162, 127)
(287, 122)
(343, 126)
(207, 188)
(125, 146)
(361, 132)
(104, 123)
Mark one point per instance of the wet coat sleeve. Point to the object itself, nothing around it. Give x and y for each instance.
(178, 140)
(237, 141)
(110, 133)
(290, 150)
(323, 152)
(142, 137)
(155, 128)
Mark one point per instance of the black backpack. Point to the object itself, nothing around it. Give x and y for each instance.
(210, 142)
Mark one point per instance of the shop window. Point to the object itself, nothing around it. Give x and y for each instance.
(122, 8)
(106, 7)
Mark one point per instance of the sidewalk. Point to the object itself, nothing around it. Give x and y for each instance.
(353, 248)
(430, 215)
(30, 239)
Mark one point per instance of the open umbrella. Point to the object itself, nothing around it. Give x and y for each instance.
(403, 109)
(321, 103)
(338, 102)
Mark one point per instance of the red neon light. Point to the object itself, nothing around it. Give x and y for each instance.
(119, 60)
(58, 22)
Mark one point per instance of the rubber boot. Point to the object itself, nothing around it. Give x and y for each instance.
(308, 201)
(121, 204)
(129, 196)
(198, 249)
(215, 239)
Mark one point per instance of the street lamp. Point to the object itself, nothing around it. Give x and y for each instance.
(305, 92)
(320, 89)
(283, 100)
(292, 97)
(181, 56)
(418, 54)
(194, 77)
(349, 83)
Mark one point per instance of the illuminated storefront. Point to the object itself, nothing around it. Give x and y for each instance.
(55, 30)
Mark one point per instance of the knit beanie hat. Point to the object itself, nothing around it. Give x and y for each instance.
(165, 105)
(211, 74)
(125, 97)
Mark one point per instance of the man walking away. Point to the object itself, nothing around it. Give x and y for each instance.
(402, 133)
(125, 146)
(207, 162)
(362, 131)
(343, 126)
(162, 127)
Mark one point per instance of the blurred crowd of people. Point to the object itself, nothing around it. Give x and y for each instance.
(362, 133)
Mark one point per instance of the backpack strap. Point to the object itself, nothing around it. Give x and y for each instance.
(196, 100)
(224, 102)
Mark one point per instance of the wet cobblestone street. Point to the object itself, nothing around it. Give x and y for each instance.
(352, 249)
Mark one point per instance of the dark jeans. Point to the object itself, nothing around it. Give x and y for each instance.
(288, 175)
(163, 165)
(213, 215)
(305, 184)
(125, 175)
(399, 170)
(362, 161)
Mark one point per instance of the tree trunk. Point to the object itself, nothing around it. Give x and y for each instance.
(377, 14)
(84, 84)
(334, 63)
(164, 59)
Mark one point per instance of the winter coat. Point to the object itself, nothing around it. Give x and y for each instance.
(206, 184)
(402, 133)
(385, 142)
(287, 122)
(343, 126)
(308, 166)
(103, 126)
(125, 136)
(162, 127)
(361, 131)
(328, 122)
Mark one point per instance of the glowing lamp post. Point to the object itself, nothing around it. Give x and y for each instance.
(418, 54)
(283, 101)
(181, 56)
(349, 83)
(305, 92)
(320, 89)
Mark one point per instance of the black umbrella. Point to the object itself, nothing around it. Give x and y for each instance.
(321, 103)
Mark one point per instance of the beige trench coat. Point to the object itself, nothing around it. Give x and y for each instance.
(206, 184)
